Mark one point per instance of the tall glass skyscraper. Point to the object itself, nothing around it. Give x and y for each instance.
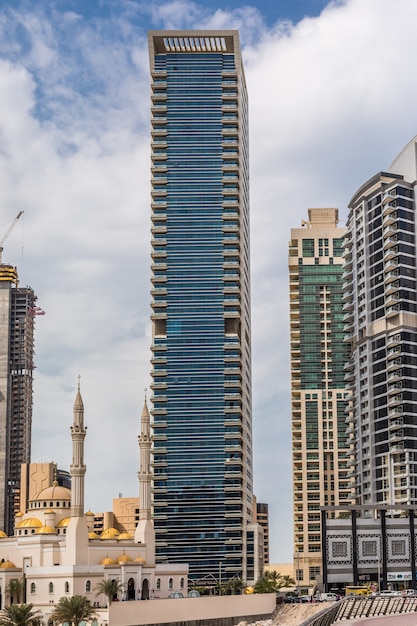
(320, 444)
(202, 420)
(381, 329)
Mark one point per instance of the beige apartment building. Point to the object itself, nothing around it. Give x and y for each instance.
(318, 396)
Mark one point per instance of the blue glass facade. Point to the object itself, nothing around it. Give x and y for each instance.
(202, 452)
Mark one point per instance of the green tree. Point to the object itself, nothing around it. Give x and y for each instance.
(110, 588)
(233, 586)
(14, 590)
(286, 581)
(73, 610)
(264, 585)
(273, 581)
(19, 615)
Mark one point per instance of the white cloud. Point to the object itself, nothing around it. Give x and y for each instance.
(332, 101)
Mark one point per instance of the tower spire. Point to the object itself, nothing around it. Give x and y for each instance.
(78, 468)
(144, 473)
(77, 531)
(145, 532)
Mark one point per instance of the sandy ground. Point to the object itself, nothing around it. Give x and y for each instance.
(295, 614)
(290, 615)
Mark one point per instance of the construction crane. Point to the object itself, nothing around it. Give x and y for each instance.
(9, 230)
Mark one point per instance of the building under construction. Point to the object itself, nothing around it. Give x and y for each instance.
(17, 314)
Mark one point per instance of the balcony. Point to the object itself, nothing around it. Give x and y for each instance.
(394, 388)
(392, 311)
(394, 352)
(390, 252)
(391, 276)
(394, 376)
(390, 231)
(395, 412)
(392, 300)
(392, 289)
(395, 400)
(389, 208)
(393, 365)
(397, 435)
(391, 264)
(389, 242)
(389, 219)
(393, 340)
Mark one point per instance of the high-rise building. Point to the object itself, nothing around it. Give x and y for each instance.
(318, 397)
(202, 418)
(17, 311)
(381, 330)
(262, 518)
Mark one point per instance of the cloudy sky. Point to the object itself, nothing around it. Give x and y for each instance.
(333, 99)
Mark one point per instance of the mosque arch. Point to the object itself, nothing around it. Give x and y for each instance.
(131, 591)
(145, 589)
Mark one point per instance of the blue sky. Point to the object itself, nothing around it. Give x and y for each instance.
(332, 101)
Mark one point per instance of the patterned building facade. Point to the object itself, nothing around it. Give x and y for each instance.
(371, 546)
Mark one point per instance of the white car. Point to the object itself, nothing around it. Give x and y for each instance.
(328, 597)
(389, 593)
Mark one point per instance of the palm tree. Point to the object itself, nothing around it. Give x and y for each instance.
(19, 615)
(286, 581)
(73, 610)
(14, 589)
(110, 587)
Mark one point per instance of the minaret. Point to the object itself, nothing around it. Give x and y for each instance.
(76, 552)
(145, 532)
(77, 468)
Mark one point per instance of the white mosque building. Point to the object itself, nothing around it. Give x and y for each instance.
(55, 551)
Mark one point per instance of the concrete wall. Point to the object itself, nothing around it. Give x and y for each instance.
(226, 610)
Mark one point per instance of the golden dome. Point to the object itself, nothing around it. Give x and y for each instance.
(46, 530)
(124, 558)
(107, 561)
(139, 559)
(8, 565)
(93, 535)
(29, 522)
(90, 513)
(19, 514)
(63, 523)
(109, 533)
(124, 535)
(56, 492)
(2, 534)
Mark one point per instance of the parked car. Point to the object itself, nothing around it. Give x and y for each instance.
(388, 593)
(328, 597)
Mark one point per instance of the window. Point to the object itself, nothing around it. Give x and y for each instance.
(87, 586)
(181, 583)
(51, 587)
(170, 584)
(158, 583)
(313, 572)
(32, 588)
(66, 587)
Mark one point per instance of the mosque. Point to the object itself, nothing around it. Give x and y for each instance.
(55, 551)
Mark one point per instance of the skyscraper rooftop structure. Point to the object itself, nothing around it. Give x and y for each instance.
(202, 416)
(318, 396)
(380, 301)
(17, 314)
